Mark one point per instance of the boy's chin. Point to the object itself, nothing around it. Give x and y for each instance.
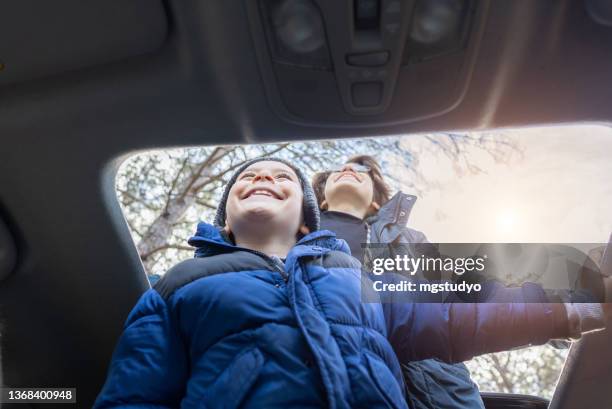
(265, 216)
(347, 192)
(260, 210)
(270, 218)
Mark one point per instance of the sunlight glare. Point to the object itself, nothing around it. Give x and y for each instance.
(507, 221)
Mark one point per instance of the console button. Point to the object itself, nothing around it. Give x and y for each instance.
(367, 14)
(367, 94)
(369, 59)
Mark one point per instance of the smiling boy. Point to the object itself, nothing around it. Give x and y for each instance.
(266, 195)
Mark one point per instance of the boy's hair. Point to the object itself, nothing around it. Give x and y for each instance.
(382, 192)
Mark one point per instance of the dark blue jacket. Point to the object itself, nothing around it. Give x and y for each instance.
(237, 329)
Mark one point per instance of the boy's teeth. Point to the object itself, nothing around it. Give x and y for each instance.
(261, 192)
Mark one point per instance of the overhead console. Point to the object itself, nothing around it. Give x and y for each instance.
(346, 61)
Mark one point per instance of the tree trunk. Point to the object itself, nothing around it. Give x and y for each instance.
(181, 197)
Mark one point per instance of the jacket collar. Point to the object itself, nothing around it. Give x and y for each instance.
(395, 211)
(210, 240)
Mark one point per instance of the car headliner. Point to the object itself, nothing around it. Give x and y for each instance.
(147, 74)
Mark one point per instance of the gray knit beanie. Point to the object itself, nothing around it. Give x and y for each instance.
(310, 207)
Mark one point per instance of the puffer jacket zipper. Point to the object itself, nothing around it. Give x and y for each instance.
(279, 266)
(273, 261)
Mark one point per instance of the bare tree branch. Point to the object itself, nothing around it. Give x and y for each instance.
(501, 371)
(164, 247)
(137, 199)
(177, 177)
(206, 204)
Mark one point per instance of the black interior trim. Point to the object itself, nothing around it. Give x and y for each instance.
(494, 400)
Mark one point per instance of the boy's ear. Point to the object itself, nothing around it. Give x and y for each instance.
(324, 205)
(304, 229)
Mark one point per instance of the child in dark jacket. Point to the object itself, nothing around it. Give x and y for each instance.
(357, 206)
(269, 315)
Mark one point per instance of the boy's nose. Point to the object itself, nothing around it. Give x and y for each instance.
(264, 177)
(347, 168)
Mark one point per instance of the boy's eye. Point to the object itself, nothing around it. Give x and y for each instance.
(248, 175)
(284, 176)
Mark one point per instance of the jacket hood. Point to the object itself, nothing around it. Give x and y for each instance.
(210, 240)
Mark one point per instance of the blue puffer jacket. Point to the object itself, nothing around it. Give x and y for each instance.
(235, 328)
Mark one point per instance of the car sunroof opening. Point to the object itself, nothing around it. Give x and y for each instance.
(533, 185)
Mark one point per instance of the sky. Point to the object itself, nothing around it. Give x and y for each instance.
(558, 191)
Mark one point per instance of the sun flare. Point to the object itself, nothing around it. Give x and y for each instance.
(508, 221)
